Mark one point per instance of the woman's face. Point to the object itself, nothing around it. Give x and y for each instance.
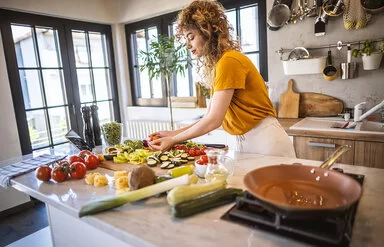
(195, 42)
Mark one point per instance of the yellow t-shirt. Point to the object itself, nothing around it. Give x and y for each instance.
(250, 102)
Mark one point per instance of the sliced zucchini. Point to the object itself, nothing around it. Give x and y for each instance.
(163, 157)
(151, 162)
(184, 156)
(191, 158)
(170, 166)
(184, 161)
(165, 164)
(176, 162)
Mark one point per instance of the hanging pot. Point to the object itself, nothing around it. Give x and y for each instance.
(373, 61)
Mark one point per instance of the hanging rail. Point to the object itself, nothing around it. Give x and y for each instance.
(339, 45)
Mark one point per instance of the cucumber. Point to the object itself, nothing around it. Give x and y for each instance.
(205, 202)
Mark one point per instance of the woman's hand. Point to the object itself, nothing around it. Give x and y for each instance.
(162, 133)
(162, 144)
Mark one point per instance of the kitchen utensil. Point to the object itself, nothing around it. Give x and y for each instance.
(289, 103)
(313, 10)
(304, 191)
(279, 15)
(333, 8)
(330, 71)
(319, 105)
(348, 69)
(298, 53)
(319, 22)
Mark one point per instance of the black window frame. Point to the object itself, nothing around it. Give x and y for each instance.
(163, 23)
(64, 27)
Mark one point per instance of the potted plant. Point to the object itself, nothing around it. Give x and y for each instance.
(165, 56)
(371, 54)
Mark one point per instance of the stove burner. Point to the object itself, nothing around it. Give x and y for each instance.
(334, 230)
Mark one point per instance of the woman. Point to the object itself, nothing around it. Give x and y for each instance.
(239, 98)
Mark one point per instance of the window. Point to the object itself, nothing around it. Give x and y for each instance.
(246, 16)
(55, 67)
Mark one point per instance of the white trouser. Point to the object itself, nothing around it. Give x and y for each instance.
(267, 138)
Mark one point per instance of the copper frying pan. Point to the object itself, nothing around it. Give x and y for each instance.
(300, 190)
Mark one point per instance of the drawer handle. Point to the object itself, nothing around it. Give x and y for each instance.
(319, 144)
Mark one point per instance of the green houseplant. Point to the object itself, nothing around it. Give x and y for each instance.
(165, 57)
(371, 54)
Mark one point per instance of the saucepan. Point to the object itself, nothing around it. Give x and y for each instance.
(330, 71)
(299, 191)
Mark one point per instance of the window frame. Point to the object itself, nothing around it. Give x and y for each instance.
(64, 28)
(163, 22)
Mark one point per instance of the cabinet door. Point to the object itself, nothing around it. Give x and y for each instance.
(321, 148)
(369, 154)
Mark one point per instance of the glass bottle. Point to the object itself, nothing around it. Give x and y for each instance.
(215, 170)
(87, 126)
(96, 125)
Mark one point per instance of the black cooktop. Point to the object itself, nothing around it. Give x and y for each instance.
(330, 230)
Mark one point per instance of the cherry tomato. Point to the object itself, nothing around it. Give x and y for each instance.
(75, 158)
(91, 161)
(59, 174)
(203, 150)
(84, 153)
(155, 137)
(192, 152)
(204, 159)
(77, 170)
(198, 152)
(43, 173)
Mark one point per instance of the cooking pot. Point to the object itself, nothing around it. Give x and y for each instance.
(304, 191)
(330, 71)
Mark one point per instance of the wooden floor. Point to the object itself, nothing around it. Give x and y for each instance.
(18, 225)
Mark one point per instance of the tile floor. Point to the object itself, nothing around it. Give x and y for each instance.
(22, 224)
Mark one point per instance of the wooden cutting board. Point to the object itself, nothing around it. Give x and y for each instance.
(109, 164)
(319, 105)
(289, 103)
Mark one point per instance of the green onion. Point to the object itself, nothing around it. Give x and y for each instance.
(109, 202)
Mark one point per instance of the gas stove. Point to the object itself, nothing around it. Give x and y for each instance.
(332, 230)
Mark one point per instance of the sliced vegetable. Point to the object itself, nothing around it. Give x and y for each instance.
(109, 202)
(189, 192)
(165, 164)
(151, 162)
(205, 202)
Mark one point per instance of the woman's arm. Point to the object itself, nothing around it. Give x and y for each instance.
(212, 120)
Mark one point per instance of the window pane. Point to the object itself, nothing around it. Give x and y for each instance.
(24, 46)
(47, 47)
(80, 49)
(182, 85)
(249, 29)
(231, 16)
(85, 88)
(30, 84)
(59, 125)
(105, 112)
(255, 59)
(37, 127)
(98, 50)
(102, 84)
(157, 88)
(152, 34)
(54, 88)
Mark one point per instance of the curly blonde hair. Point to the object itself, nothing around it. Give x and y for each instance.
(208, 17)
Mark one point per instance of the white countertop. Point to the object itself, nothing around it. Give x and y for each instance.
(149, 222)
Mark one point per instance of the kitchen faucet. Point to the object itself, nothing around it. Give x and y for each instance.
(358, 112)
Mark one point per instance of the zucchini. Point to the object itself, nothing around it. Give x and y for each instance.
(184, 161)
(205, 202)
(191, 158)
(151, 162)
(163, 157)
(184, 156)
(165, 164)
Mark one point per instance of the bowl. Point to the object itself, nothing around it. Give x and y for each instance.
(200, 169)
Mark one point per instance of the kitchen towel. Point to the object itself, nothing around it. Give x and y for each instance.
(25, 166)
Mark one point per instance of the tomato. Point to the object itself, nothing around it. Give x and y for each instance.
(192, 152)
(77, 170)
(203, 150)
(43, 173)
(199, 162)
(155, 137)
(91, 161)
(75, 158)
(204, 159)
(84, 153)
(198, 152)
(59, 174)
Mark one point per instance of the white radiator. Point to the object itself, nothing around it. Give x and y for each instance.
(140, 129)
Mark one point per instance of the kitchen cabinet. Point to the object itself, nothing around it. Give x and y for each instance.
(217, 136)
(315, 148)
(369, 154)
(362, 153)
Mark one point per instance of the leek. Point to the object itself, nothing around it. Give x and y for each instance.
(109, 202)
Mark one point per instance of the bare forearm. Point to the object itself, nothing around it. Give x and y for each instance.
(203, 126)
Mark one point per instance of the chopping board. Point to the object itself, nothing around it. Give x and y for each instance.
(319, 105)
(109, 164)
(289, 103)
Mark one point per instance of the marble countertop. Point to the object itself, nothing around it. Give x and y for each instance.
(149, 222)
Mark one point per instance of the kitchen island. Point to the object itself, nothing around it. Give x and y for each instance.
(150, 223)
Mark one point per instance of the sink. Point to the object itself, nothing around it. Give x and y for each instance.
(337, 124)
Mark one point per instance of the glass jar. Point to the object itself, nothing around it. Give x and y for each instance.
(215, 169)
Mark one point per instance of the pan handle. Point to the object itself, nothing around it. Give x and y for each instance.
(334, 156)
